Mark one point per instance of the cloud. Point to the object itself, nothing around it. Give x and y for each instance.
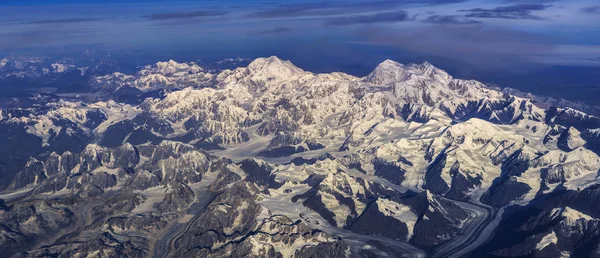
(335, 8)
(306, 9)
(479, 45)
(591, 9)
(66, 20)
(185, 15)
(275, 30)
(576, 55)
(530, 1)
(386, 17)
(518, 11)
(450, 19)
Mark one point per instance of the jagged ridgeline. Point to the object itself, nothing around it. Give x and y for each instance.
(270, 160)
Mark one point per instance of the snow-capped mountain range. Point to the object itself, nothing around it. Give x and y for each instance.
(20, 67)
(269, 160)
(152, 77)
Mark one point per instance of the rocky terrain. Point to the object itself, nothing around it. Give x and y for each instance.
(269, 160)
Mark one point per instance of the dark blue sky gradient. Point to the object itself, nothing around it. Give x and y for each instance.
(90, 2)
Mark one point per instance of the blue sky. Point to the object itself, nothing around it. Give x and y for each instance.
(467, 36)
(556, 32)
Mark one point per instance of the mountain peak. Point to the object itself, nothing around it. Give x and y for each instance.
(389, 63)
(171, 67)
(273, 63)
(174, 64)
(425, 66)
(387, 72)
(571, 215)
(570, 139)
(428, 69)
(170, 63)
(3, 62)
(273, 67)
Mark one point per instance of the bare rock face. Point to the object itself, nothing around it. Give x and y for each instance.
(26, 226)
(177, 197)
(442, 220)
(213, 226)
(107, 243)
(540, 229)
(334, 249)
(570, 139)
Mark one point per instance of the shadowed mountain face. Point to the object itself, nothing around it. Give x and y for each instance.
(269, 160)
